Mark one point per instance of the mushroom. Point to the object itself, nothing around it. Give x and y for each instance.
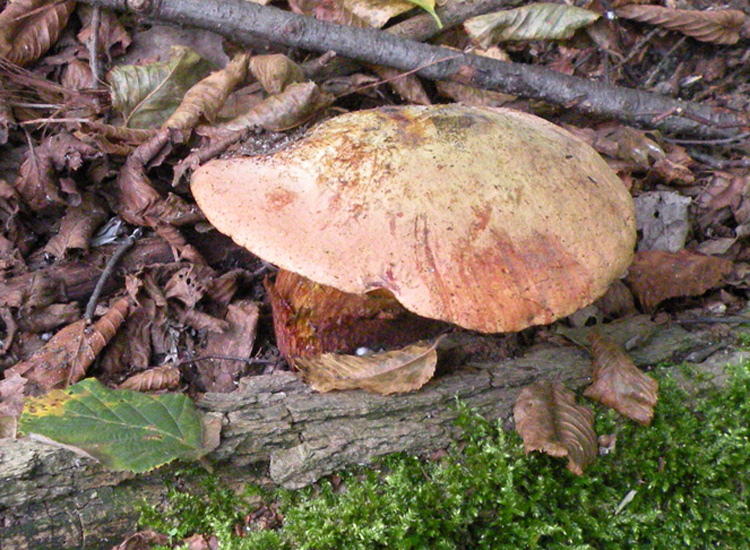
(491, 219)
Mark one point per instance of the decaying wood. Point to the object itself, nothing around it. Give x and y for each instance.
(52, 498)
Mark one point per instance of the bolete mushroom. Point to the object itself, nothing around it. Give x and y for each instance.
(491, 219)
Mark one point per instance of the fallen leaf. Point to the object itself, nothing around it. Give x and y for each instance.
(540, 21)
(398, 371)
(716, 26)
(147, 95)
(28, 28)
(78, 226)
(237, 342)
(166, 377)
(618, 383)
(656, 275)
(69, 353)
(275, 72)
(123, 429)
(549, 420)
(204, 99)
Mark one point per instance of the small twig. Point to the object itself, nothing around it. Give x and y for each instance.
(93, 45)
(720, 164)
(247, 360)
(107, 273)
(719, 141)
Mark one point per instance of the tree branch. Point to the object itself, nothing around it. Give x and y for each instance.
(245, 21)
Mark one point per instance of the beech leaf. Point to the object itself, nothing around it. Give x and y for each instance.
(656, 275)
(398, 371)
(717, 26)
(123, 429)
(69, 353)
(541, 21)
(28, 28)
(618, 383)
(549, 420)
(147, 95)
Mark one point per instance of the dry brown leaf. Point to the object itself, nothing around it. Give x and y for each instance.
(113, 38)
(166, 377)
(275, 72)
(38, 181)
(206, 98)
(189, 284)
(617, 301)
(295, 105)
(69, 353)
(656, 275)
(398, 371)
(237, 341)
(78, 226)
(618, 383)
(718, 26)
(28, 28)
(549, 420)
(130, 349)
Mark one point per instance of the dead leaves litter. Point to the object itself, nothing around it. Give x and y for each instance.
(618, 383)
(656, 275)
(549, 420)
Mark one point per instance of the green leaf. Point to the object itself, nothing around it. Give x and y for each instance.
(533, 22)
(147, 95)
(429, 7)
(123, 429)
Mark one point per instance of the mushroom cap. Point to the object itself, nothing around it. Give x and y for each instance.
(491, 219)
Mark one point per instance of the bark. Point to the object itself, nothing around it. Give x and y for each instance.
(247, 22)
(274, 424)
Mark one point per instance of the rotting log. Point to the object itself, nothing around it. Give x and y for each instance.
(275, 426)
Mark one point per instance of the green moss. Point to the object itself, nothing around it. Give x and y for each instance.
(685, 475)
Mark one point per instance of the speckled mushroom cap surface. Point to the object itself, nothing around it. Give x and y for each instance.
(491, 219)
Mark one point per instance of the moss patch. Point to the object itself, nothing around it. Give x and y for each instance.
(680, 482)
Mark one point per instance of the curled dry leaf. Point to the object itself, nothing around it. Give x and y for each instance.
(166, 377)
(206, 98)
(618, 383)
(549, 420)
(656, 275)
(540, 21)
(69, 353)
(11, 404)
(398, 371)
(37, 180)
(275, 72)
(28, 28)
(717, 26)
(78, 226)
(295, 105)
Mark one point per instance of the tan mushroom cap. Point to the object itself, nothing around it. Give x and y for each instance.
(491, 219)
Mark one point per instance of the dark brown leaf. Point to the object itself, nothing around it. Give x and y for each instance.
(549, 420)
(28, 28)
(717, 26)
(237, 341)
(66, 357)
(78, 226)
(618, 383)
(656, 276)
(397, 371)
(37, 180)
